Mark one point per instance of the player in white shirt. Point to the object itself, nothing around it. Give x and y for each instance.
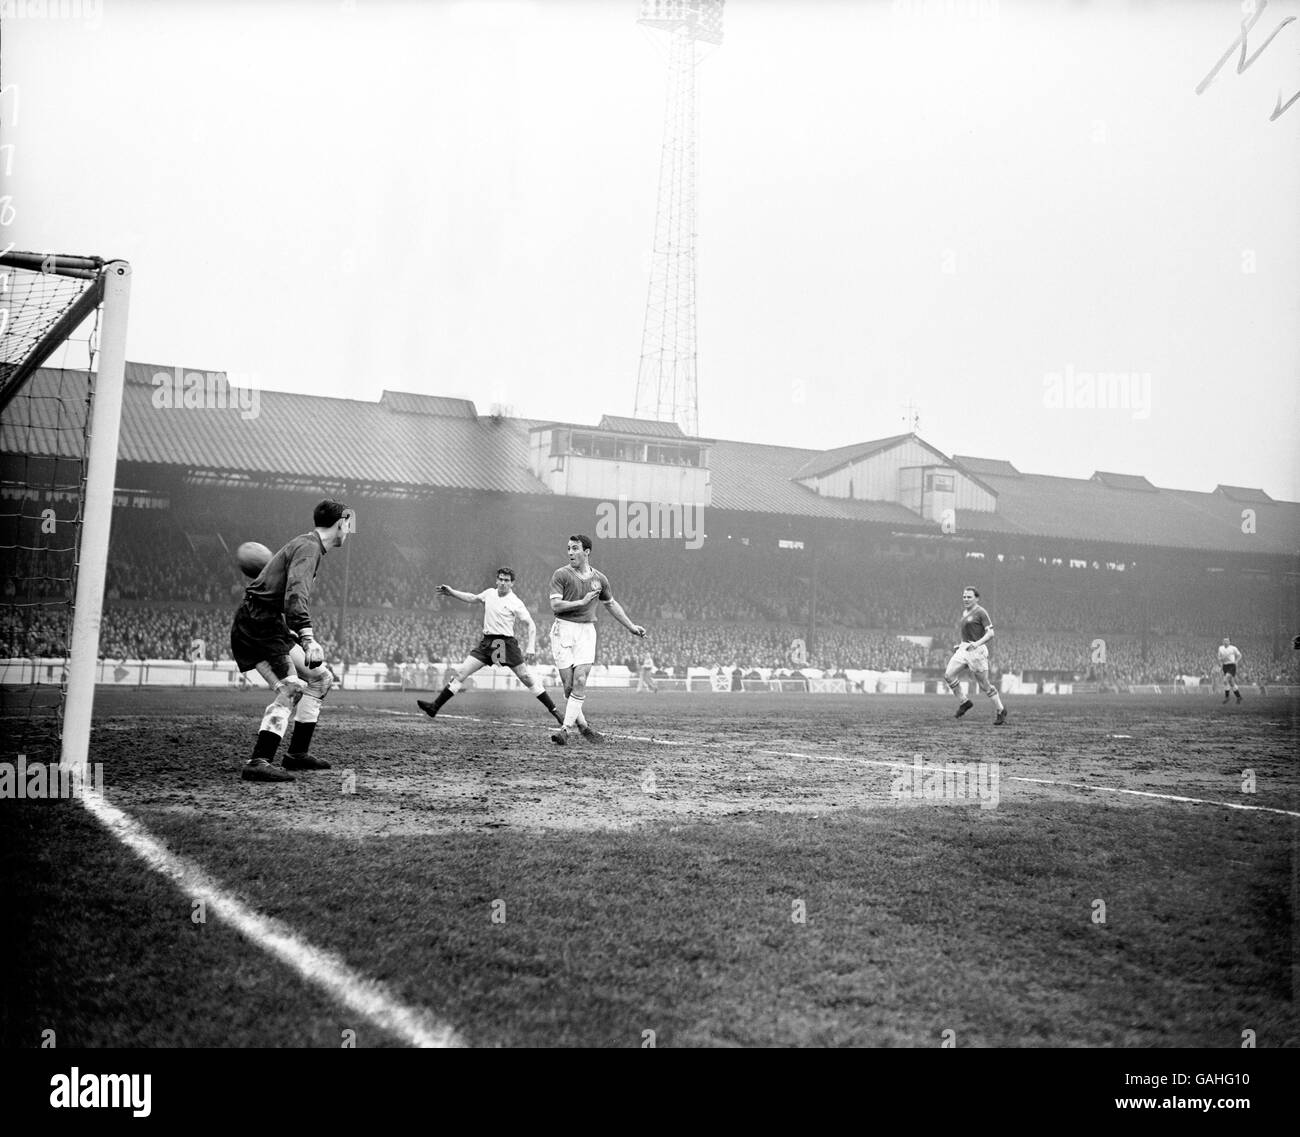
(1229, 657)
(646, 679)
(499, 647)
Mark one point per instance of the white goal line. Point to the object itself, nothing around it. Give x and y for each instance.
(323, 969)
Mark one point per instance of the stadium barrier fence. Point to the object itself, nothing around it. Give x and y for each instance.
(223, 675)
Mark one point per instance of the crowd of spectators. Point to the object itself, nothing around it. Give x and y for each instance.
(725, 604)
(183, 631)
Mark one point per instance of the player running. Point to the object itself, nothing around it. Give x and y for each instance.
(272, 635)
(575, 590)
(1229, 657)
(971, 655)
(501, 608)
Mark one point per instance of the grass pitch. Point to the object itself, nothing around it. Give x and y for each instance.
(733, 870)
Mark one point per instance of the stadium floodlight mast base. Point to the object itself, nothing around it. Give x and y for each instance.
(37, 330)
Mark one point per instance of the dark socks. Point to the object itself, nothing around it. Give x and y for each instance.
(300, 740)
(267, 744)
(549, 704)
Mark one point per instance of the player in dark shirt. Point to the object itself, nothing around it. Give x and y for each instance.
(971, 655)
(272, 635)
(576, 589)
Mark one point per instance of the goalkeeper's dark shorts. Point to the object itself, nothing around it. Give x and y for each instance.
(501, 651)
(260, 635)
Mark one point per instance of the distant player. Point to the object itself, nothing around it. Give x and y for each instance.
(272, 635)
(575, 590)
(1229, 657)
(501, 608)
(971, 655)
(646, 679)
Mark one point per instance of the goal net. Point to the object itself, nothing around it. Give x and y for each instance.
(62, 358)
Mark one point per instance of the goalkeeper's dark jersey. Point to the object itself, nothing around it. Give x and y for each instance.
(284, 586)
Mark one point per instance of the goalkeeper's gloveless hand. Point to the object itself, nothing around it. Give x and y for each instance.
(314, 653)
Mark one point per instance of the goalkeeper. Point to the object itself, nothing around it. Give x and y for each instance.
(272, 635)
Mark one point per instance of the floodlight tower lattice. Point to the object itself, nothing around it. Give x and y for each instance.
(666, 386)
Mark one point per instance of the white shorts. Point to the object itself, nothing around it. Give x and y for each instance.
(573, 644)
(973, 659)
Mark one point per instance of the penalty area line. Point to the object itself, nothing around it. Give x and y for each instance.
(321, 968)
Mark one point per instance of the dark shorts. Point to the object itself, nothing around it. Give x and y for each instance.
(261, 637)
(507, 653)
(1230, 669)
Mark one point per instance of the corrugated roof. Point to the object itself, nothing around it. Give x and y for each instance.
(314, 437)
(754, 478)
(409, 403)
(824, 461)
(143, 373)
(1087, 510)
(986, 465)
(979, 521)
(370, 443)
(1123, 481)
(647, 426)
(47, 416)
(1242, 493)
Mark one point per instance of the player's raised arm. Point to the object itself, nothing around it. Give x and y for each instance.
(467, 597)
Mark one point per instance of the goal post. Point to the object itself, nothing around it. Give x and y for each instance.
(49, 424)
(97, 515)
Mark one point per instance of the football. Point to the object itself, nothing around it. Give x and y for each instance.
(252, 557)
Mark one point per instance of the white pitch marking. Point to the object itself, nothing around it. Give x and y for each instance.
(364, 996)
(896, 762)
(1045, 782)
(657, 741)
(1162, 797)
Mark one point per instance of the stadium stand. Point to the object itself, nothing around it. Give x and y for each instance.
(796, 549)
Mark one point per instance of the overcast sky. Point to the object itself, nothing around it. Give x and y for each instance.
(942, 203)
